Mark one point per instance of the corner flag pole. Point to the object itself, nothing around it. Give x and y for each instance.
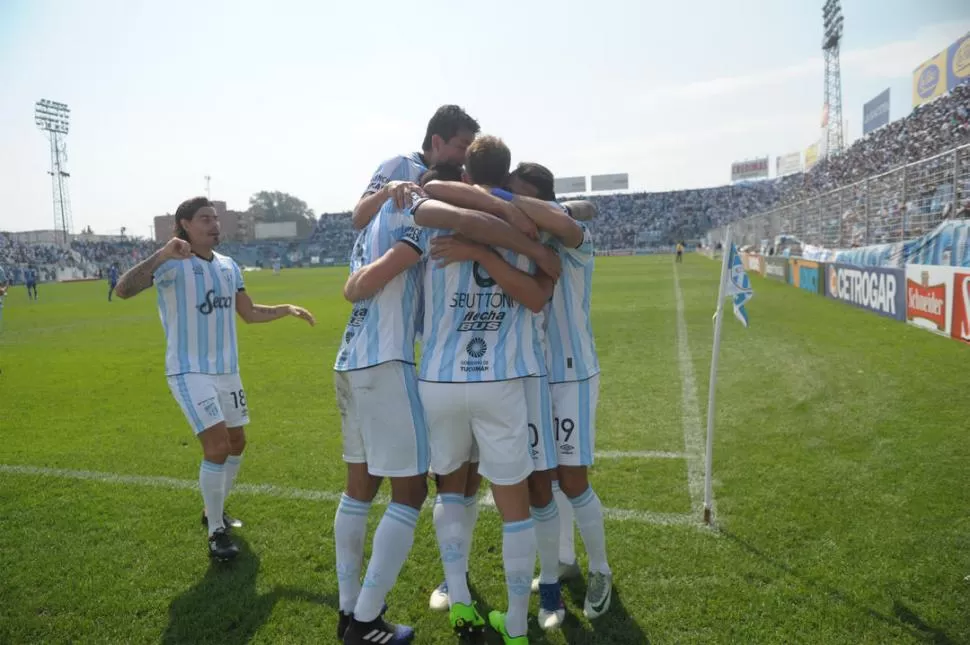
(718, 321)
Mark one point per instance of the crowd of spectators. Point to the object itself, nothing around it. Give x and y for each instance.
(927, 192)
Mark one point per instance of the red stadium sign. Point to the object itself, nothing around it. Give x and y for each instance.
(750, 169)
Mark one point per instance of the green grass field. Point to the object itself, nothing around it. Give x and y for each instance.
(841, 479)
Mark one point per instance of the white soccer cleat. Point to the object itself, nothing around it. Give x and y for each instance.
(439, 598)
(599, 593)
(552, 611)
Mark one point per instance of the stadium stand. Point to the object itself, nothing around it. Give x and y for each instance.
(897, 182)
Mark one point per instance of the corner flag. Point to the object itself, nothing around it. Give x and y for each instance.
(736, 285)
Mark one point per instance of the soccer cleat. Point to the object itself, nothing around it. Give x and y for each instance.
(497, 620)
(221, 547)
(599, 592)
(552, 610)
(227, 521)
(377, 631)
(439, 598)
(566, 572)
(466, 621)
(344, 618)
(343, 622)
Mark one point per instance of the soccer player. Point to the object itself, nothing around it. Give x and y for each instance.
(478, 350)
(542, 443)
(198, 292)
(3, 292)
(680, 252)
(574, 383)
(112, 280)
(276, 265)
(30, 280)
(449, 133)
(386, 299)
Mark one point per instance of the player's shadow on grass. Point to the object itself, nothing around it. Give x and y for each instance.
(902, 615)
(224, 607)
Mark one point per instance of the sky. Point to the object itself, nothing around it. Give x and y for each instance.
(308, 97)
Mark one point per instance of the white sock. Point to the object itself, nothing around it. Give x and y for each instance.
(232, 469)
(392, 543)
(449, 525)
(589, 519)
(212, 481)
(471, 519)
(567, 534)
(349, 530)
(547, 542)
(519, 557)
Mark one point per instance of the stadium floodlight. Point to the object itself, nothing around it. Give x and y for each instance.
(54, 118)
(832, 23)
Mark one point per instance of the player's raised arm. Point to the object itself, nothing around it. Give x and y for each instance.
(551, 218)
(533, 291)
(369, 205)
(139, 277)
(485, 229)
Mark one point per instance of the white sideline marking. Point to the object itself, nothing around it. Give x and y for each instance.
(285, 492)
(641, 454)
(693, 432)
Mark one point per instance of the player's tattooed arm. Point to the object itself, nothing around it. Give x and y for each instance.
(139, 277)
(485, 229)
(401, 192)
(253, 313)
(533, 291)
(476, 198)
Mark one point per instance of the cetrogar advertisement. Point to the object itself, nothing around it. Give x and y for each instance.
(876, 289)
(928, 297)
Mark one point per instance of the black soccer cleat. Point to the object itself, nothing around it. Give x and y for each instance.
(221, 547)
(377, 631)
(227, 521)
(343, 620)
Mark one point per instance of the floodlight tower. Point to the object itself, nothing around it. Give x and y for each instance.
(54, 119)
(831, 41)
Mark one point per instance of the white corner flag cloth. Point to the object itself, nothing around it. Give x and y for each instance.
(738, 286)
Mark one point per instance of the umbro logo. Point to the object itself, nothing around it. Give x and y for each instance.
(378, 636)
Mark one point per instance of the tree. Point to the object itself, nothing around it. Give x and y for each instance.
(274, 206)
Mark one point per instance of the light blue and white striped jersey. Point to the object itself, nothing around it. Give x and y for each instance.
(569, 346)
(382, 328)
(473, 330)
(3, 277)
(401, 168)
(197, 305)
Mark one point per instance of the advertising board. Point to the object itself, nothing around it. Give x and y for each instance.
(960, 321)
(876, 289)
(775, 268)
(806, 274)
(929, 300)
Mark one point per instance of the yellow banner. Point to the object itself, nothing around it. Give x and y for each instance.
(929, 79)
(811, 155)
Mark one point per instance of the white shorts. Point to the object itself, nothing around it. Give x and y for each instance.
(491, 416)
(209, 399)
(574, 420)
(542, 443)
(382, 419)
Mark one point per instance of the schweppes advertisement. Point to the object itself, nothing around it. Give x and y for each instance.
(929, 79)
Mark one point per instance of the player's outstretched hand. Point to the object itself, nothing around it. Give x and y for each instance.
(303, 314)
(177, 249)
(401, 192)
(449, 249)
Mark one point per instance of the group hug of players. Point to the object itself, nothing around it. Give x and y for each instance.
(478, 264)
